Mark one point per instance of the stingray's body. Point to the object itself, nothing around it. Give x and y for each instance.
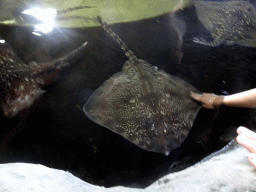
(230, 22)
(20, 83)
(147, 106)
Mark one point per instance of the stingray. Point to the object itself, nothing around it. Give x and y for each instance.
(229, 22)
(147, 106)
(21, 83)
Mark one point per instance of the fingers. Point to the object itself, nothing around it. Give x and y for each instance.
(248, 133)
(202, 97)
(247, 143)
(252, 159)
(247, 139)
(194, 95)
(198, 97)
(206, 99)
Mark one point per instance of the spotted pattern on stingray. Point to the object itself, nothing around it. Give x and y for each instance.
(21, 83)
(232, 22)
(147, 106)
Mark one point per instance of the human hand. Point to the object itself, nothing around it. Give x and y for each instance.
(208, 100)
(247, 139)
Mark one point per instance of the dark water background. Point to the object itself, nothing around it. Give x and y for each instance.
(55, 132)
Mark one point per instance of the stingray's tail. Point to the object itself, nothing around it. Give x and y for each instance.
(123, 46)
(63, 61)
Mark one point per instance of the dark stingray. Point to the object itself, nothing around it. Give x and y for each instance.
(147, 106)
(229, 22)
(21, 83)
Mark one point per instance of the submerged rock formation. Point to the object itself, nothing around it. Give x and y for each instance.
(227, 171)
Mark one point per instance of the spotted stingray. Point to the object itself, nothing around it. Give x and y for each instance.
(21, 83)
(230, 22)
(147, 106)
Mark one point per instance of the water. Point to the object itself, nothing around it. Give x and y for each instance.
(56, 133)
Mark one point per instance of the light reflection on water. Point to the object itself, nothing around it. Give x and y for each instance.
(47, 16)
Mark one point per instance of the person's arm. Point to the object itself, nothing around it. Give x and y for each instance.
(246, 99)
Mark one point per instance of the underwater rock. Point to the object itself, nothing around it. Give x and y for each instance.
(228, 171)
(147, 106)
(21, 83)
(229, 22)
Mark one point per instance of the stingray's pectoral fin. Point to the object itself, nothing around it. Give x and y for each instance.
(214, 43)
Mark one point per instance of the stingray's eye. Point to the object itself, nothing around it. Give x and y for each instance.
(127, 64)
(155, 68)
